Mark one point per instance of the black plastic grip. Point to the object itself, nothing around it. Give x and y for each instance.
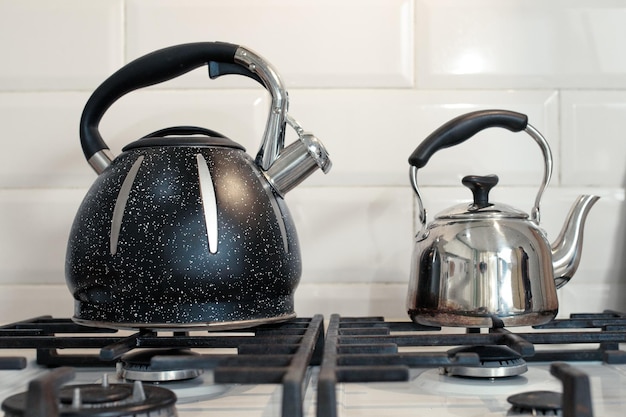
(217, 69)
(461, 128)
(156, 67)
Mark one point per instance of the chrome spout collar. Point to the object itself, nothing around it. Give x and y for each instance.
(298, 161)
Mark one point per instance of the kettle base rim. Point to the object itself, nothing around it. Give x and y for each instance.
(207, 326)
(438, 318)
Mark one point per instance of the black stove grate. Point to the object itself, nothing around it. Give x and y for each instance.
(370, 349)
(269, 354)
(363, 349)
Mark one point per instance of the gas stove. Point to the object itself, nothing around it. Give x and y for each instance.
(260, 371)
(571, 367)
(359, 366)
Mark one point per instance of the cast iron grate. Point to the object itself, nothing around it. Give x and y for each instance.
(366, 349)
(270, 354)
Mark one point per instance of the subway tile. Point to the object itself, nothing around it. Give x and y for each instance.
(352, 300)
(369, 143)
(578, 297)
(353, 234)
(487, 44)
(59, 45)
(19, 302)
(48, 152)
(240, 115)
(35, 224)
(312, 43)
(593, 149)
(41, 143)
(371, 133)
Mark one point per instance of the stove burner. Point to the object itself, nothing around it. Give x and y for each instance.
(277, 354)
(44, 398)
(96, 394)
(136, 366)
(536, 402)
(495, 362)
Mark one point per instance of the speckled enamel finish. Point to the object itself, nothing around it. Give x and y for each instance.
(162, 274)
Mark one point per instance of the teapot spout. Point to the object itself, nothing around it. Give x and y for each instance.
(567, 248)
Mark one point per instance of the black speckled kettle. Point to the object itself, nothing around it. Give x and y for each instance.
(183, 229)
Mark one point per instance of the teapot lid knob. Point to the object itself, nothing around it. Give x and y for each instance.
(480, 187)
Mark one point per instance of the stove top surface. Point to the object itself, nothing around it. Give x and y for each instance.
(429, 393)
(360, 366)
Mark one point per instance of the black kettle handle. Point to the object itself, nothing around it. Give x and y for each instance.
(156, 67)
(461, 128)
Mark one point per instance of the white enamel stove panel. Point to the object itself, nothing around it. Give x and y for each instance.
(427, 393)
(430, 393)
(197, 397)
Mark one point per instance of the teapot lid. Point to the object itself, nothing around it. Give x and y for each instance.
(471, 211)
(481, 208)
(188, 136)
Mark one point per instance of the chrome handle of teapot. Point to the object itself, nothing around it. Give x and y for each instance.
(165, 64)
(274, 135)
(462, 128)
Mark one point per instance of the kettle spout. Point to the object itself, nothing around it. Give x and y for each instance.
(566, 250)
(297, 162)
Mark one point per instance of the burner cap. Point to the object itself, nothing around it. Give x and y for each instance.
(115, 400)
(96, 394)
(544, 402)
(495, 362)
(136, 366)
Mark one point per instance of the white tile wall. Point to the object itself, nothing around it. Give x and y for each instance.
(371, 78)
(371, 134)
(315, 43)
(42, 127)
(520, 44)
(59, 44)
(595, 148)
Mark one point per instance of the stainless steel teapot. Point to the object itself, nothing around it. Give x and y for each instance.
(483, 263)
(183, 229)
